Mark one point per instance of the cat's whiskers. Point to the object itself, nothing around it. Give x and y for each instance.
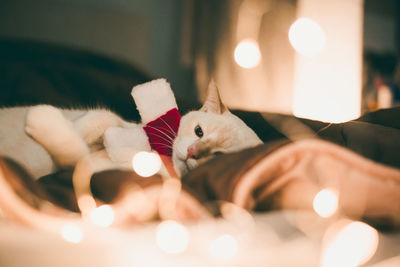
(165, 134)
(164, 145)
(166, 140)
(172, 130)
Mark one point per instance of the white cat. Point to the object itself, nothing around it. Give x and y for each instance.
(208, 132)
(44, 138)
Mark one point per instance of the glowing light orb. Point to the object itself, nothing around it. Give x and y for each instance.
(325, 203)
(102, 216)
(307, 37)
(71, 232)
(172, 237)
(355, 244)
(223, 247)
(247, 54)
(146, 163)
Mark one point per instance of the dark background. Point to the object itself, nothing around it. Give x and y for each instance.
(162, 38)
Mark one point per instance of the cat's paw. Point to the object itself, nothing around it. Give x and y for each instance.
(48, 126)
(42, 119)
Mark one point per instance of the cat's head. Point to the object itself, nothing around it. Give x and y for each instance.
(210, 131)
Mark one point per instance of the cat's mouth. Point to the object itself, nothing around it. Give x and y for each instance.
(189, 164)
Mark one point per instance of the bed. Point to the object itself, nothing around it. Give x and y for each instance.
(256, 207)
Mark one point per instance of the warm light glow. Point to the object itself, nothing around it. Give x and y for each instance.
(325, 203)
(238, 217)
(247, 54)
(172, 237)
(307, 37)
(355, 244)
(71, 232)
(224, 247)
(170, 193)
(102, 216)
(327, 86)
(146, 163)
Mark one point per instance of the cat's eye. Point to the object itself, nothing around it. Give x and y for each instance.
(198, 131)
(217, 153)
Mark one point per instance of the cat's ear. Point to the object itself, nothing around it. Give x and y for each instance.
(213, 101)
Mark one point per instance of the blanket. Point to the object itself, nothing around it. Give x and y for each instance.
(278, 175)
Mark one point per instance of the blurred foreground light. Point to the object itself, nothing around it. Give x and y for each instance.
(307, 37)
(327, 82)
(172, 237)
(247, 54)
(102, 216)
(325, 203)
(146, 163)
(71, 232)
(354, 244)
(223, 247)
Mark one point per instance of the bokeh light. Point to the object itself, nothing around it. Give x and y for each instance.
(325, 203)
(354, 244)
(307, 37)
(146, 163)
(172, 237)
(223, 247)
(102, 216)
(72, 233)
(247, 54)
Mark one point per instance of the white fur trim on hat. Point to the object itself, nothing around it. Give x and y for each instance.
(153, 99)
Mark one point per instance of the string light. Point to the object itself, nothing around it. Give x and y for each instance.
(354, 244)
(247, 54)
(172, 237)
(223, 247)
(307, 37)
(71, 232)
(146, 163)
(325, 203)
(102, 216)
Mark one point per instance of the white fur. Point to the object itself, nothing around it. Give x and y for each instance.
(44, 138)
(94, 123)
(223, 133)
(122, 144)
(15, 144)
(153, 99)
(55, 138)
(48, 126)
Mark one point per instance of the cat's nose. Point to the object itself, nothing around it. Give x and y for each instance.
(192, 153)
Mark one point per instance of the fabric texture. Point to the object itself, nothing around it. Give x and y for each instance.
(281, 175)
(163, 130)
